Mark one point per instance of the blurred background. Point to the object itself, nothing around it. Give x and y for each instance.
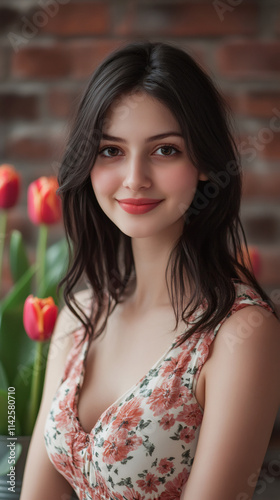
(49, 48)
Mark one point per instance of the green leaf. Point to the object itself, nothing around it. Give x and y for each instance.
(56, 265)
(26, 408)
(19, 263)
(3, 412)
(4, 384)
(4, 431)
(18, 293)
(16, 348)
(4, 457)
(22, 384)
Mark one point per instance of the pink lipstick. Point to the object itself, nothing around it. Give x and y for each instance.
(138, 206)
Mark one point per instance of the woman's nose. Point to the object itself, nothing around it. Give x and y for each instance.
(137, 174)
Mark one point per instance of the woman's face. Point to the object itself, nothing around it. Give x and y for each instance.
(142, 178)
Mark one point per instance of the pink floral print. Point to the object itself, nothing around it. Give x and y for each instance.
(143, 446)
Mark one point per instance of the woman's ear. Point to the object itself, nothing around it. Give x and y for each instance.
(202, 177)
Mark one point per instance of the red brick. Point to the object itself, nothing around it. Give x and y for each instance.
(40, 62)
(83, 18)
(15, 106)
(62, 103)
(247, 59)
(86, 55)
(32, 148)
(181, 19)
(263, 143)
(258, 103)
(261, 186)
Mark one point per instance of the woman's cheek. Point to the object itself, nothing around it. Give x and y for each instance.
(103, 181)
(181, 179)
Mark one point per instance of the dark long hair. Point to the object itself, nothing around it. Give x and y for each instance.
(209, 256)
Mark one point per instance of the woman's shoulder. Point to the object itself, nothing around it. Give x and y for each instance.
(248, 336)
(249, 317)
(68, 327)
(249, 313)
(69, 333)
(83, 299)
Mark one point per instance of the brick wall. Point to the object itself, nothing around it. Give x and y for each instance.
(49, 48)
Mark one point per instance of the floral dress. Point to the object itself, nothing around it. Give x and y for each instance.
(143, 446)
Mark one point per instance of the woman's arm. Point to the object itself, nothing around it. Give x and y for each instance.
(41, 480)
(242, 396)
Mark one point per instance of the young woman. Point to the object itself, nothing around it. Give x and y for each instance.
(163, 376)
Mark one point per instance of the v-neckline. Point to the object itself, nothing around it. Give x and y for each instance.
(123, 396)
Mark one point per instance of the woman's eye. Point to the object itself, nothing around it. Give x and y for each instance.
(110, 152)
(167, 150)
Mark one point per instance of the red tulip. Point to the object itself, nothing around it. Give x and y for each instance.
(255, 259)
(9, 186)
(44, 206)
(39, 317)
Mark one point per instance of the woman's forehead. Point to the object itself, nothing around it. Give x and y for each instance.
(139, 110)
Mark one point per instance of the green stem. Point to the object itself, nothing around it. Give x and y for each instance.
(41, 257)
(3, 224)
(36, 388)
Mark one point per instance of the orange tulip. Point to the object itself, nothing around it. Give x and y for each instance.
(44, 206)
(39, 317)
(9, 186)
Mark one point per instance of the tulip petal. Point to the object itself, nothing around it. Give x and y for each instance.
(50, 315)
(44, 206)
(39, 317)
(9, 186)
(33, 203)
(30, 319)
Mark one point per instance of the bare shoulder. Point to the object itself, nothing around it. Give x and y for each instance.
(246, 348)
(84, 297)
(253, 331)
(249, 340)
(242, 396)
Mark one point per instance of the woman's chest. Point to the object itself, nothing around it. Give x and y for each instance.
(120, 359)
(151, 433)
(136, 404)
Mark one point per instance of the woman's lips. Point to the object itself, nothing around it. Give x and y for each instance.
(138, 206)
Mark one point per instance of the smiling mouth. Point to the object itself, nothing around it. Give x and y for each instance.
(138, 206)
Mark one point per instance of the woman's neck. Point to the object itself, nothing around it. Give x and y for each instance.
(151, 257)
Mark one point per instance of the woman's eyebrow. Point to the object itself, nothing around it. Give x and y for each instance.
(107, 137)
